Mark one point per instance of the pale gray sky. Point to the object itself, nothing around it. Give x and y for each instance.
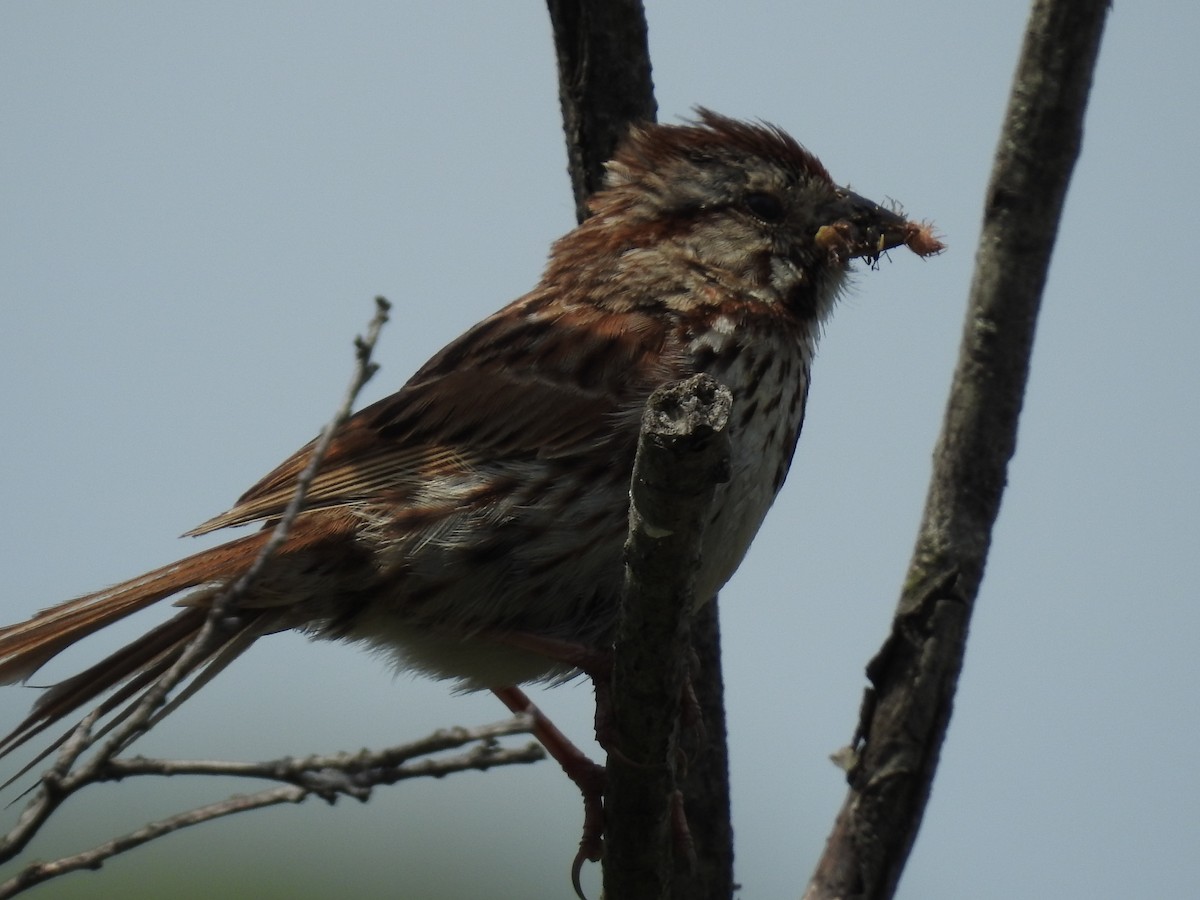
(197, 203)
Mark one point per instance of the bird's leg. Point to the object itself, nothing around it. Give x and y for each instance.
(587, 775)
(595, 664)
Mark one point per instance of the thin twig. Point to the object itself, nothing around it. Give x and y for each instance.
(92, 859)
(297, 770)
(485, 755)
(65, 777)
(203, 642)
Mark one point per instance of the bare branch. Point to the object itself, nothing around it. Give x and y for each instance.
(705, 784)
(349, 774)
(137, 722)
(603, 83)
(605, 86)
(914, 675)
(324, 777)
(65, 776)
(313, 771)
(92, 859)
(683, 453)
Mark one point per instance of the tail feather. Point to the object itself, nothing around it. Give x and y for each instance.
(132, 668)
(126, 673)
(27, 646)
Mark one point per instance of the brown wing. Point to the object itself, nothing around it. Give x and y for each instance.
(535, 380)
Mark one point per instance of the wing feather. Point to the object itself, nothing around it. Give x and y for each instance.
(510, 389)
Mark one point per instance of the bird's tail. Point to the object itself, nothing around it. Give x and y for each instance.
(27, 646)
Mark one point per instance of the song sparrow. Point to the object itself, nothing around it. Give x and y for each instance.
(489, 496)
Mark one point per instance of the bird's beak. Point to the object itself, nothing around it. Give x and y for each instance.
(858, 227)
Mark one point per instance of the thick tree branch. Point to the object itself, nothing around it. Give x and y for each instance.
(605, 86)
(603, 83)
(914, 675)
(705, 783)
(683, 453)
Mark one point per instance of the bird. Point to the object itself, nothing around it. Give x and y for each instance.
(475, 520)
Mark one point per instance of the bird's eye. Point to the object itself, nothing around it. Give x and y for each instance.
(764, 206)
